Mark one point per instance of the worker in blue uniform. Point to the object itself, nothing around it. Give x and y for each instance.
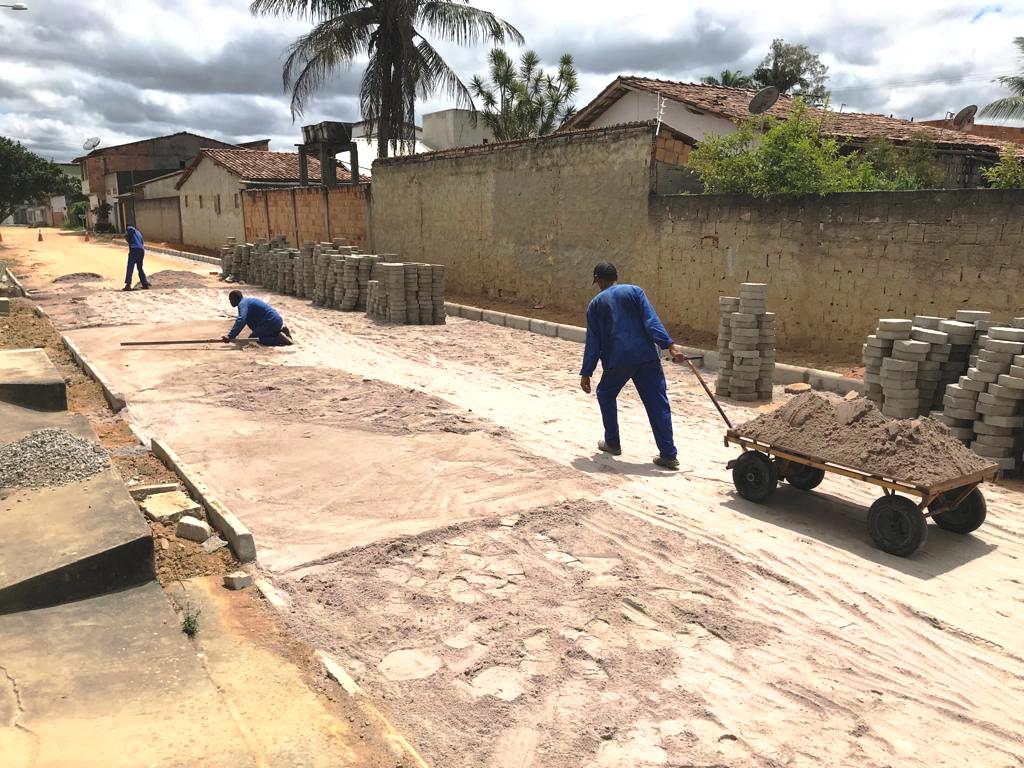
(136, 253)
(266, 324)
(625, 334)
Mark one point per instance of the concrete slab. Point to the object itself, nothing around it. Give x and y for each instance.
(28, 378)
(70, 542)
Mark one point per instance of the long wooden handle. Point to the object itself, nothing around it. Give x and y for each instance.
(710, 393)
(183, 341)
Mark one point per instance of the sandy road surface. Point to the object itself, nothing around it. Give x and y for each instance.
(593, 611)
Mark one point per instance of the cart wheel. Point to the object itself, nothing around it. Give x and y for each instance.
(805, 477)
(963, 519)
(755, 476)
(897, 526)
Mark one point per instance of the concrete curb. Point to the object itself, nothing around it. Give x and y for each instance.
(186, 255)
(114, 398)
(19, 289)
(220, 517)
(784, 374)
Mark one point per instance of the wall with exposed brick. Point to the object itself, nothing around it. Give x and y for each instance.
(307, 213)
(529, 222)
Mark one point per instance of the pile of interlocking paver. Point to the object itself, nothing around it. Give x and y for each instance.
(337, 276)
(746, 345)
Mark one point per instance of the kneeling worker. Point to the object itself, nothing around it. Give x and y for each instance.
(624, 333)
(264, 321)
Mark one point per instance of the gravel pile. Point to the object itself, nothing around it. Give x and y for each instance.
(49, 457)
(78, 277)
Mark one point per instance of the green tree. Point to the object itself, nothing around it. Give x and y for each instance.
(27, 178)
(881, 164)
(1010, 107)
(524, 102)
(1008, 173)
(402, 62)
(730, 79)
(793, 69)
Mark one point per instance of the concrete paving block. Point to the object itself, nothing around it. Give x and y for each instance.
(893, 412)
(929, 336)
(985, 428)
(989, 409)
(1008, 422)
(1007, 347)
(962, 433)
(927, 321)
(572, 333)
(1011, 382)
(877, 343)
(237, 580)
(892, 335)
(1005, 393)
(193, 529)
(912, 346)
(989, 367)
(965, 414)
(1001, 333)
(972, 315)
(916, 357)
(544, 327)
(140, 492)
(895, 324)
(492, 317)
(972, 384)
(169, 507)
(518, 322)
(977, 375)
(891, 364)
(5, 306)
(1006, 441)
(992, 451)
(1017, 371)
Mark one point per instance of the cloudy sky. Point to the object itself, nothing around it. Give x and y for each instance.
(128, 70)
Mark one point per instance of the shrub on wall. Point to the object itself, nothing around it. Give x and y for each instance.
(1008, 173)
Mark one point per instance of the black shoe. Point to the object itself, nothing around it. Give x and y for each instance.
(127, 288)
(667, 462)
(286, 332)
(146, 287)
(614, 450)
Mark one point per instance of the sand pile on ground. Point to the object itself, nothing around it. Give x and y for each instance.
(177, 278)
(49, 457)
(78, 277)
(856, 434)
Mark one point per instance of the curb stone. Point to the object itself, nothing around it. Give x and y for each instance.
(237, 535)
(114, 398)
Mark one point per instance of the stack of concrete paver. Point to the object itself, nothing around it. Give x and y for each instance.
(903, 365)
(337, 276)
(746, 345)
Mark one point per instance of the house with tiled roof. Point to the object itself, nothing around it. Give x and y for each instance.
(210, 189)
(700, 110)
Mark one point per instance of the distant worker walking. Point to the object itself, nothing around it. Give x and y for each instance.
(624, 333)
(266, 324)
(136, 253)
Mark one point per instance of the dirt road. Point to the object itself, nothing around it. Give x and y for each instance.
(432, 501)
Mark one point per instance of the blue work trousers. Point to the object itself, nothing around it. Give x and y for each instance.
(649, 380)
(135, 257)
(269, 334)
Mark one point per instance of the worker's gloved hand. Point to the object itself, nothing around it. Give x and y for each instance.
(677, 354)
(225, 339)
(585, 384)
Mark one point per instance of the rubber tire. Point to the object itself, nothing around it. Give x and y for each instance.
(966, 518)
(897, 526)
(755, 476)
(806, 478)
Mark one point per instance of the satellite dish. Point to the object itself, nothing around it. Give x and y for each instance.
(763, 100)
(91, 143)
(964, 119)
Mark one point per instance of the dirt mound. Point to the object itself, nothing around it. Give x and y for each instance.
(854, 433)
(78, 277)
(177, 278)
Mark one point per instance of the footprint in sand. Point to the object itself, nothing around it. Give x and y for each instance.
(409, 664)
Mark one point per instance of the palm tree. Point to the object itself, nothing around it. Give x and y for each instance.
(525, 102)
(1011, 107)
(402, 62)
(730, 79)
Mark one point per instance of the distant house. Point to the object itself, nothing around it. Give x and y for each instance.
(210, 189)
(59, 204)
(109, 173)
(700, 110)
(157, 212)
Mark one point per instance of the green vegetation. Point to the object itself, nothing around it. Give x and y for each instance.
(402, 64)
(766, 157)
(525, 102)
(793, 69)
(1008, 173)
(730, 79)
(190, 622)
(75, 216)
(1011, 107)
(27, 178)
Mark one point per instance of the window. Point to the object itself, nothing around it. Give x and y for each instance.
(216, 204)
(186, 201)
(236, 199)
(200, 201)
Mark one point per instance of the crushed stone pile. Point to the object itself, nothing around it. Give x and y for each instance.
(49, 457)
(854, 433)
(78, 277)
(177, 278)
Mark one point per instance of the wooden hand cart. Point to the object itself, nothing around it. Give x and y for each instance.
(897, 524)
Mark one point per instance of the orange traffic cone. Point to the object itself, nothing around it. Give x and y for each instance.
(40, 235)
(1, 237)
(87, 235)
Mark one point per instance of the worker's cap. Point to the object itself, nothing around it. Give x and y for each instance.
(605, 271)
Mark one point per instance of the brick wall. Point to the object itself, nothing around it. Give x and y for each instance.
(299, 214)
(528, 223)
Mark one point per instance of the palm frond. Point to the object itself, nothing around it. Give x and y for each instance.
(305, 10)
(436, 75)
(457, 22)
(1010, 108)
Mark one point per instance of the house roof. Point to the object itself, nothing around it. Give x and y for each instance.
(104, 150)
(255, 165)
(731, 103)
(498, 146)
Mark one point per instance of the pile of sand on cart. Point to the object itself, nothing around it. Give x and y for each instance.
(854, 433)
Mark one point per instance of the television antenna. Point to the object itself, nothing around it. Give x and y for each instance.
(964, 119)
(91, 143)
(763, 100)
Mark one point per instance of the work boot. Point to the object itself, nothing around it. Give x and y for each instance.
(614, 450)
(668, 462)
(286, 332)
(127, 288)
(146, 287)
